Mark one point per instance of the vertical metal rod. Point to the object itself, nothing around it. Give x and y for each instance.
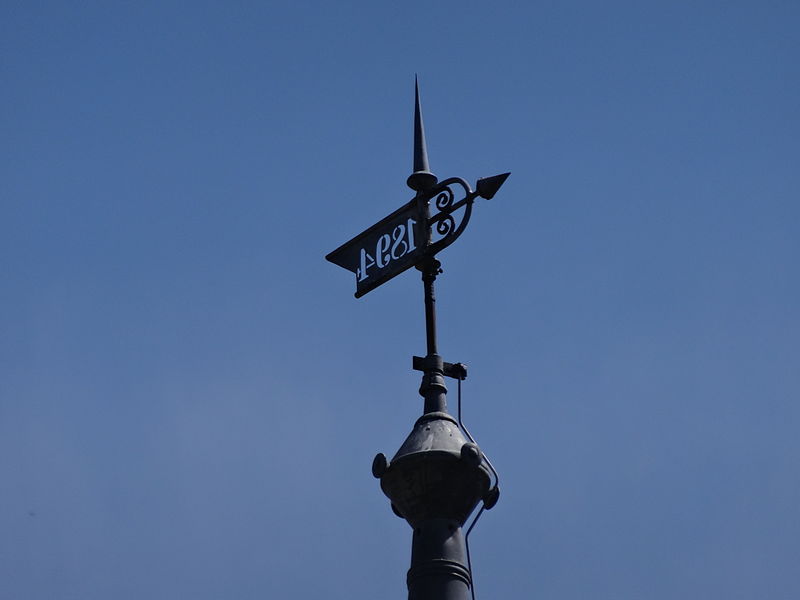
(431, 270)
(423, 182)
(432, 388)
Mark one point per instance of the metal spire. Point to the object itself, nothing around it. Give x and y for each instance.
(421, 179)
(439, 475)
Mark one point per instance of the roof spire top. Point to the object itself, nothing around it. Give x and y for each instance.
(421, 179)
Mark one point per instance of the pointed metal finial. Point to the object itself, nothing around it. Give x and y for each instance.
(421, 179)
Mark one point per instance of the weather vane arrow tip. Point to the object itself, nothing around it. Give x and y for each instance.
(487, 186)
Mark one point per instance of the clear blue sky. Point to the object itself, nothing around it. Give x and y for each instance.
(190, 396)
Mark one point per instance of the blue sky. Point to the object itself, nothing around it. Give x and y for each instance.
(190, 396)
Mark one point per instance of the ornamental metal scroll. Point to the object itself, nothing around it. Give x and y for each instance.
(442, 224)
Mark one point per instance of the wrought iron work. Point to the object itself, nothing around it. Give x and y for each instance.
(439, 475)
(443, 196)
(407, 236)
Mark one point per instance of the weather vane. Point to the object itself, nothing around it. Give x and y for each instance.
(439, 475)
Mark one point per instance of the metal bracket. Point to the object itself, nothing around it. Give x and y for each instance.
(452, 370)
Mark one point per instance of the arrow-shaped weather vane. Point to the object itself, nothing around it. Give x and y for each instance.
(411, 234)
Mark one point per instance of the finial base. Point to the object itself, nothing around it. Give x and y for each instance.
(421, 181)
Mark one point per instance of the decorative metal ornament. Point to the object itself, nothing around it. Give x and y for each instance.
(439, 475)
(400, 240)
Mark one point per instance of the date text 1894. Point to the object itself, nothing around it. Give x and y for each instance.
(388, 247)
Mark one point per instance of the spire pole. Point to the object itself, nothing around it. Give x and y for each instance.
(439, 559)
(422, 181)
